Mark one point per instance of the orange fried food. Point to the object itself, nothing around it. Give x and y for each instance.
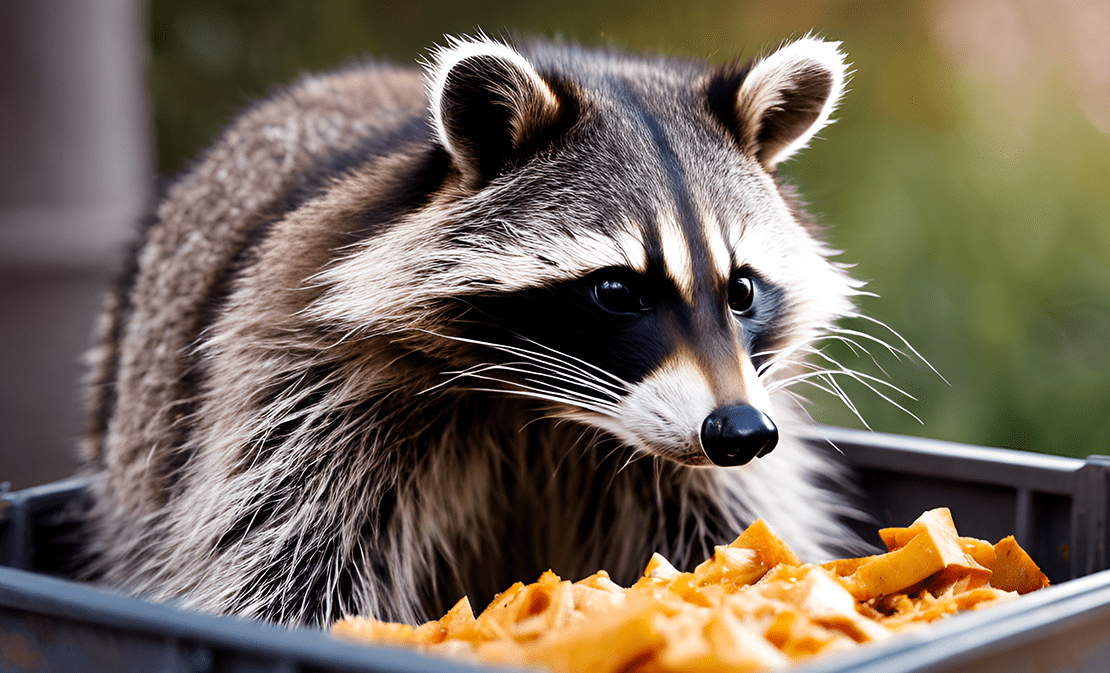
(752, 606)
(1013, 569)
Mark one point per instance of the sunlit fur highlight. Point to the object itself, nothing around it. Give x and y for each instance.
(528, 84)
(720, 254)
(676, 254)
(762, 90)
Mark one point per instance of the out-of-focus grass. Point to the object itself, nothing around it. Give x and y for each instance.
(965, 177)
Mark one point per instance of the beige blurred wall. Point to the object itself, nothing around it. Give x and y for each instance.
(75, 174)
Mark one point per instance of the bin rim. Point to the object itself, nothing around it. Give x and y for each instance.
(65, 600)
(1053, 609)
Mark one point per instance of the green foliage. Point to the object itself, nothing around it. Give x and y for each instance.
(976, 204)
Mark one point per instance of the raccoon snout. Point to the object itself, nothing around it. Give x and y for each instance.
(736, 434)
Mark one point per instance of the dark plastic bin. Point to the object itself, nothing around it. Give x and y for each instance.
(1057, 508)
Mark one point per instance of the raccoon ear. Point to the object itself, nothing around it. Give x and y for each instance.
(488, 105)
(787, 97)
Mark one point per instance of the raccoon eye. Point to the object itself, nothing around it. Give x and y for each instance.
(621, 293)
(741, 293)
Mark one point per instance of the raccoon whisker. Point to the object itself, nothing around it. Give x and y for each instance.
(563, 360)
(845, 398)
(840, 370)
(858, 291)
(784, 355)
(859, 376)
(854, 345)
(838, 392)
(906, 343)
(827, 374)
(522, 368)
(865, 378)
(785, 383)
(462, 373)
(593, 442)
(857, 348)
(772, 351)
(539, 395)
(798, 400)
(888, 399)
(558, 359)
(583, 401)
(633, 456)
(612, 398)
(585, 383)
(818, 372)
(759, 370)
(616, 447)
(773, 384)
(621, 382)
(551, 394)
(896, 352)
(766, 369)
(554, 417)
(556, 356)
(801, 401)
(530, 374)
(477, 369)
(790, 360)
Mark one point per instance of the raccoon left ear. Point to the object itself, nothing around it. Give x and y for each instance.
(488, 104)
(787, 97)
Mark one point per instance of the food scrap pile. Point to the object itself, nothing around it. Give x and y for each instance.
(752, 606)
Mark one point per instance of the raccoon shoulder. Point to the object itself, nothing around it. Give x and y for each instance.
(266, 161)
(274, 155)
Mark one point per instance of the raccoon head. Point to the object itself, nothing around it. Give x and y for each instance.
(614, 241)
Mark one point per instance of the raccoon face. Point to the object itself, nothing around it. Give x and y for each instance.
(627, 352)
(616, 245)
(674, 277)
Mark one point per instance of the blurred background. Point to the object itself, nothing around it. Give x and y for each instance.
(967, 178)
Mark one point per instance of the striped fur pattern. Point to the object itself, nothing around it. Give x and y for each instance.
(356, 365)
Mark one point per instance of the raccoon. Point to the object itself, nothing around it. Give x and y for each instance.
(401, 336)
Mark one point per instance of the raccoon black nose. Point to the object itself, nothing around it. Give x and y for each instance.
(736, 434)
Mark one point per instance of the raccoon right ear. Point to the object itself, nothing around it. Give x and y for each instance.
(786, 98)
(488, 105)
